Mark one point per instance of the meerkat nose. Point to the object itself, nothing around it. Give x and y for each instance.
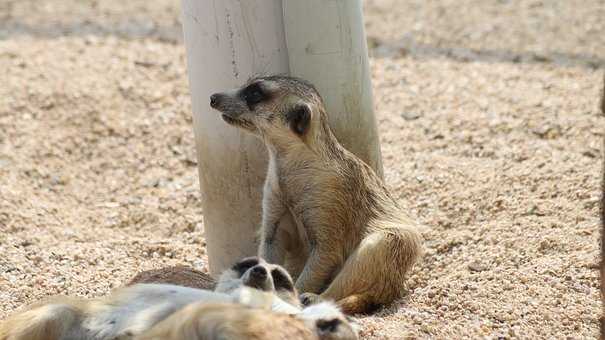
(259, 272)
(214, 100)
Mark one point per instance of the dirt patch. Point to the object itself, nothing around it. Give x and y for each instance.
(499, 156)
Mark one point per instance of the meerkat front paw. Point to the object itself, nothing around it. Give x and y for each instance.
(308, 299)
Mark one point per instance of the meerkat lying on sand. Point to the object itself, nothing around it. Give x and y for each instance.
(147, 311)
(361, 244)
(135, 310)
(200, 321)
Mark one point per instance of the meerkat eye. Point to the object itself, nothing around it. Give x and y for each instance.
(327, 326)
(242, 266)
(253, 95)
(281, 280)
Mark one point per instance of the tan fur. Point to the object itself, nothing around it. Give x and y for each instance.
(235, 321)
(359, 245)
(228, 321)
(42, 321)
(125, 311)
(136, 308)
(247, 316)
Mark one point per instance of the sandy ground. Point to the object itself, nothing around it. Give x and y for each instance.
(489, 128)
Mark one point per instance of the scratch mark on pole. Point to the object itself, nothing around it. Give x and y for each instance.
(249, 34)
(215, 23)
(234, 68)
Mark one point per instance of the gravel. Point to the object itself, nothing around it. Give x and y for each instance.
(490, 129)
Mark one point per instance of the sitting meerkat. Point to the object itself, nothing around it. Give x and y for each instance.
(361, 244)
(200, 321)
(131, 310)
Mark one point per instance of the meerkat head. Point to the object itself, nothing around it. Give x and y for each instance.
(256, 273)
(329, 323)
(278, 108)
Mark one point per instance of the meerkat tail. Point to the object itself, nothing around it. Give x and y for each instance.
(48, 322)
(386, 254)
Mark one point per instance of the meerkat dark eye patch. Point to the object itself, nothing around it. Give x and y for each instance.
(328, 326)
(253, 94)
(242, 266)
(299, 119)
(281, 280)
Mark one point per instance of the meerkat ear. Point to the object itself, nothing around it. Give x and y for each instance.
(299, 118)
(243, 265)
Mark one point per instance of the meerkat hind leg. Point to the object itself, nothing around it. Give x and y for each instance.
(295, 255)
(47, 322)
(356, 304)
(375, 272)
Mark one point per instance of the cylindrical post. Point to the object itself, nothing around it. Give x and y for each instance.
(228, 41)
(327, 46)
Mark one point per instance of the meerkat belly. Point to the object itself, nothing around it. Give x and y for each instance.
(317, 225)
(136, 308)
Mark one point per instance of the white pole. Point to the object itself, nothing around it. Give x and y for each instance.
(327, 46)
(228, 41)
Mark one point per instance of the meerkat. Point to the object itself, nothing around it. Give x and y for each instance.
(131, 310)
(359, 244)
(236, 322)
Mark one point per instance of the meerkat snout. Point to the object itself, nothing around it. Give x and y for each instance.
(256, 273)
(215, 100)
(259, 272)
(256, 277)
(327, 326)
